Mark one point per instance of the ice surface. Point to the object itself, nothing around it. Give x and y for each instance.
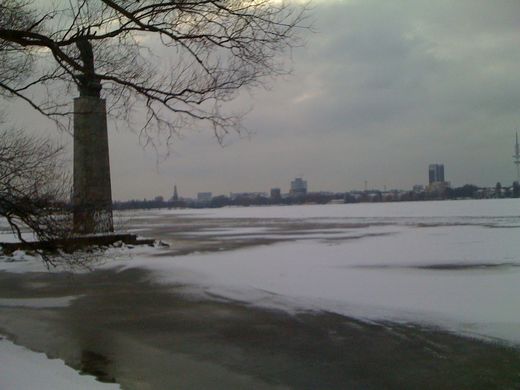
(22, 369)
(453, 208)
(39, 303)
(8, 236)
(457, 275)
(452, 264)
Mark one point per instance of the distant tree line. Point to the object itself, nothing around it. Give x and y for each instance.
(467, 191)
(474, 192)
(223, 200)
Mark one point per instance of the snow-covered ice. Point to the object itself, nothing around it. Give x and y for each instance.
(451, 264)
(464, 209)
(455, 265)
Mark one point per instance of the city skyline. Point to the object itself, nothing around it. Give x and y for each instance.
(379, 91)
(298, 188)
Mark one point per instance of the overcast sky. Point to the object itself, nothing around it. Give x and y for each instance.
(380, 90)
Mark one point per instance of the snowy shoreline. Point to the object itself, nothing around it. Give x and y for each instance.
(21, 368)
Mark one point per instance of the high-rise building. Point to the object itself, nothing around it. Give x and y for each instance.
(436, 173)
(298, 187)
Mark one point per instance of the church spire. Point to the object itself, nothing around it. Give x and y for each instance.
(516, 158)
(517, 148)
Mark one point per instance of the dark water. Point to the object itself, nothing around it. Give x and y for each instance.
(128, 330)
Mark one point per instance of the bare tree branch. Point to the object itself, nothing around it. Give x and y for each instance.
(33, 186)
(177, 60)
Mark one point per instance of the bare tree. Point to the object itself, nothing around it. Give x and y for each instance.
(154, 58)
(33, 187)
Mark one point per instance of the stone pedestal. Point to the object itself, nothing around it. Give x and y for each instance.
(92, 194)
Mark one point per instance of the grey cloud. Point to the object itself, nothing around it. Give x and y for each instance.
(382, 89)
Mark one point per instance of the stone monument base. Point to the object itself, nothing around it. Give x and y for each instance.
(92, 194)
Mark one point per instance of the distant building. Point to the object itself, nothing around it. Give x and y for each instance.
(435, 173)
(438, 188)
(437, 184)
(204, 196)
(247, 195)
(159, 199)
(298, 187)
(276, 193)
(175, 196)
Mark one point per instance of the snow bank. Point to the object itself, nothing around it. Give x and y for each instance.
(21, 262)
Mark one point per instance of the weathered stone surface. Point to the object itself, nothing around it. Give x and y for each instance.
(92, 197)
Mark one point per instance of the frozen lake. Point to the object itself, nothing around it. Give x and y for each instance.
(451, 264)
(363, 295)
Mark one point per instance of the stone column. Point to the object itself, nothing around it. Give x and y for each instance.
(92, 194)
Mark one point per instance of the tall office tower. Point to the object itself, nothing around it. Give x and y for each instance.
(436, 173)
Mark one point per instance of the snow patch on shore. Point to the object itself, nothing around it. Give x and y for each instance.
(21, 368)
(22, 262)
